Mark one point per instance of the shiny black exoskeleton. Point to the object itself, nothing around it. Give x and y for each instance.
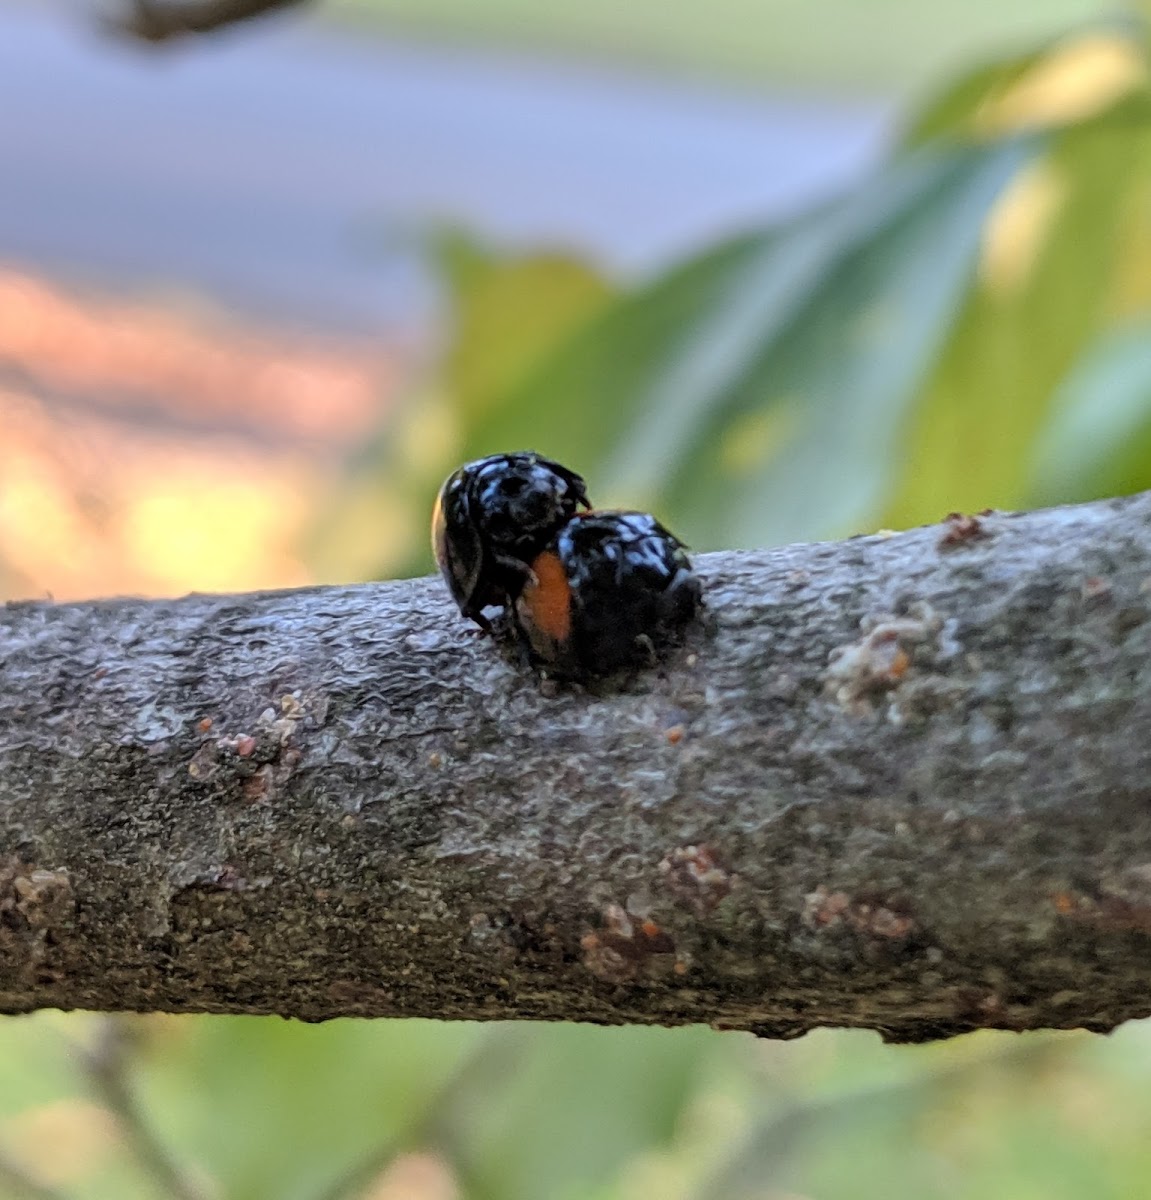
(611, 591)
(492, 518)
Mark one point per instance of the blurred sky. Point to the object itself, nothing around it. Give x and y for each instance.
(283, 173)
(288, 170)
(196, 242)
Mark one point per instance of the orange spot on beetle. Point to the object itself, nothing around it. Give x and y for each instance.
(548, 599)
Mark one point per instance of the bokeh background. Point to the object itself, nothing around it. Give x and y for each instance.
(776, 269)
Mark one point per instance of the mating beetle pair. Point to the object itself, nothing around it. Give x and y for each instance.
(588, 592)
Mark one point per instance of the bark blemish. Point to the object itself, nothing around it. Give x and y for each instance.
(243, 745)
(961, 530)
(901, 663)
(825, 909)
(43, 898)
(627, 947)
(203, 764)
(258, 788)
(696, 877)
(1095, 589)
(1121, 902)
(860, 672)
(37, 907)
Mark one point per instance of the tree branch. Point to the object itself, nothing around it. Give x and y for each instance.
(165, 20)
(107, 1065)
(898, 782)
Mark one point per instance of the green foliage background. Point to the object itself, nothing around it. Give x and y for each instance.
(967, 328)
(841, 45)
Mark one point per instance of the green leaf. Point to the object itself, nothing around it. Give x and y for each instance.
(578, 403)
(970, 442)
(1099, 440)
(774, 369)
(277, 1108)
(580, 1105)
(835, 1138)
(953, 111)
(843, 376)
(507, 311)
(1058, 78)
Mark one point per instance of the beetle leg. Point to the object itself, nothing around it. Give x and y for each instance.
(517, 567)
(648, 646)
(480, 620)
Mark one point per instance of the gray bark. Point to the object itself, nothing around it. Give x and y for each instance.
(898, 782)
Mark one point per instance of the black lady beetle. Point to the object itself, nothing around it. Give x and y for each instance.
(610, 591)
(492, 518)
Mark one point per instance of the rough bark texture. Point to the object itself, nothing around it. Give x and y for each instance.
(900, 782)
